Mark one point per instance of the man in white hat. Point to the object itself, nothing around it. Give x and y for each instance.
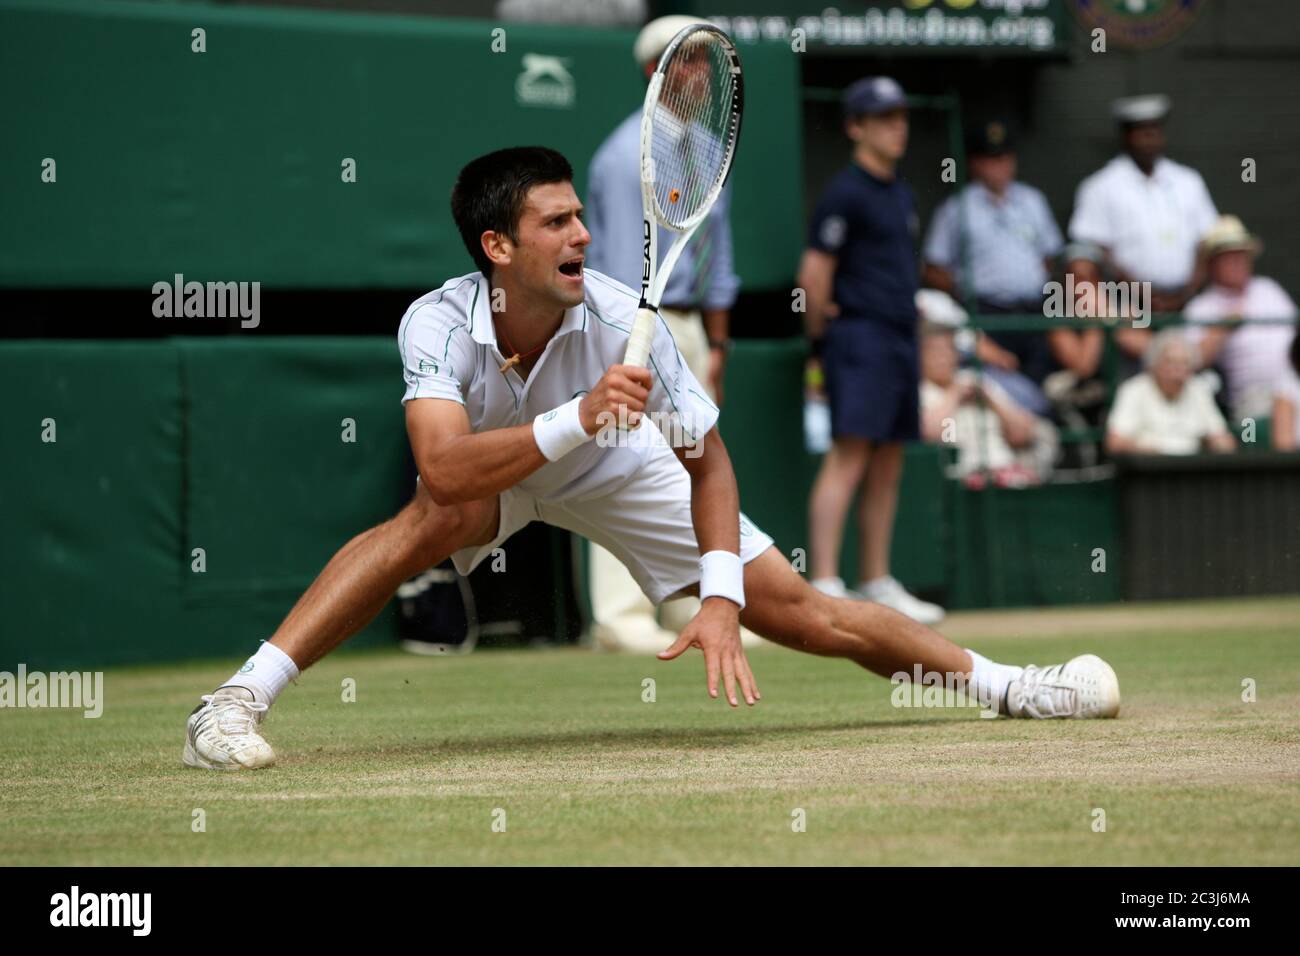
(696, 307)
(1146, 211)
(1251, 349)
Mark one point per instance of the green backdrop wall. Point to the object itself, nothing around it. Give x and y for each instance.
(226, 165)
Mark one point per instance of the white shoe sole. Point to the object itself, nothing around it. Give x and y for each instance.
(191, 758)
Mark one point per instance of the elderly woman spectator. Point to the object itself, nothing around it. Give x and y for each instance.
(989, 429)
(1165, 410)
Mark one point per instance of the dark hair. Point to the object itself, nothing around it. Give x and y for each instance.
(490, 191)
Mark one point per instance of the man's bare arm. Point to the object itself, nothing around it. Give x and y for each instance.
(715, 497)
(1118, 444)
(458, 465)
(817, 279)
(715, 630)
(937, 277)
(1284, 430)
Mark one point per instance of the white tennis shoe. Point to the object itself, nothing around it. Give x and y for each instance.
(835, 587)
(221, 733)
(1083, 687)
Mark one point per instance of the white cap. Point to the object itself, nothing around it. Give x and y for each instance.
(940, 308)
(657, 34)
(1141, 109)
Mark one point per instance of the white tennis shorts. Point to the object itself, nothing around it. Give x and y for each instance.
(645, 523)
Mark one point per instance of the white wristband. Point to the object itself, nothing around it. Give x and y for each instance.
(560, 430)
(722, 575)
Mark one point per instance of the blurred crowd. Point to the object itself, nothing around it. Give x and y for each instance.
(1141, 329)
(1075, 369)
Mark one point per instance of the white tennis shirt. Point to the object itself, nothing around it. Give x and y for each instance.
(449, 351)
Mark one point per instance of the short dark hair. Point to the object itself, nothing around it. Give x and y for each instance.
(490, 192)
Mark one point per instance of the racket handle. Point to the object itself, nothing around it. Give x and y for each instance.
(639, 342)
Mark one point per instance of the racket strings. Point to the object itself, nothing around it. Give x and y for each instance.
(694, 128)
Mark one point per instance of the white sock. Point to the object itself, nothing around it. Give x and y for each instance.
(991, 679)
(265, 674)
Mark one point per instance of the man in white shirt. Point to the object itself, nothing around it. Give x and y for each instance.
(1146, 211)
(1252, 349)
(1165, 411)
(518, 409)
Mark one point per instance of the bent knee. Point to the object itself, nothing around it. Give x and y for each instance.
(437, 531)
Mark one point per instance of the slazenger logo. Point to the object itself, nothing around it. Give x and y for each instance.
(428, 366)
(103, 909)
(545, 81)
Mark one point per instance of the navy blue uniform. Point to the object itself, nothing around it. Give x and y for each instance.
(871, 359)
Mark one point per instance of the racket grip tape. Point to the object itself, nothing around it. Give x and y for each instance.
(642, 337)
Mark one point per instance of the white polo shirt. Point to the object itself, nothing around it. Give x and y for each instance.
(1150, 224)
(448, 345)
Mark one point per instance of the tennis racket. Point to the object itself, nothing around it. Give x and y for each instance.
(690, 128)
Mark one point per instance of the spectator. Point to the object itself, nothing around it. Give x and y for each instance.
(860, 270)
(995, 242)
(991, 432)
(1286, 404)
(1251, 351)
(1146, 211)
(1078, 391)
(1165, 411)
(1078, 352)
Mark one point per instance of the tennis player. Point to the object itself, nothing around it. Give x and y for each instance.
(518, 410)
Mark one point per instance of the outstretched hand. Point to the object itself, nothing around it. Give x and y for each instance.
(715, 630)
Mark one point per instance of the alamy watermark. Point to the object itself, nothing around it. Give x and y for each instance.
(1098, 300)
(75, 908)
(78, 690)
(209, 300)
(935, 689)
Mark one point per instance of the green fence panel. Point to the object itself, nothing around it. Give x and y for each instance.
(1033, 546)
(90, 522)
(293, 447)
